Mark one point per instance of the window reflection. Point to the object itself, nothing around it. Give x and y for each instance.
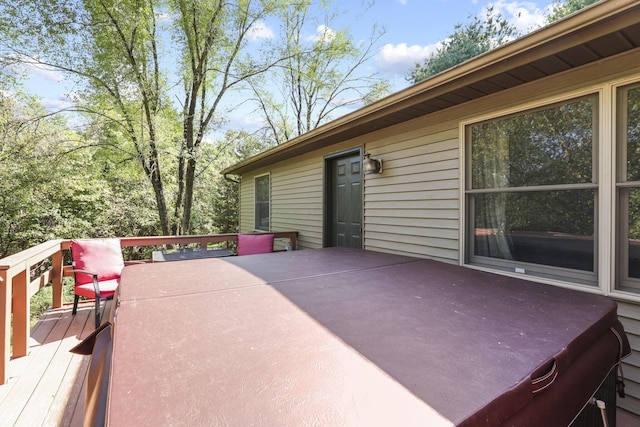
(262, 203)
(633, 236)
(629, 199)
(532, 191)
(548, 228)
(550, 146)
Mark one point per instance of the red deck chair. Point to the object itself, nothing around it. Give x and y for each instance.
(249, 244)
(97, 265)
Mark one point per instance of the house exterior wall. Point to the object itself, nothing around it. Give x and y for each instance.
(416, 206)
(413, 207)
(296, 197)
(629, 314)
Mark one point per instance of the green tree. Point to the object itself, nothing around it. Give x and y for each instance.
(563, 8)
(213, 37)
(481, 35)
(318, 75)
(154, 81)
(224, 199)
(114, 50)
(46, 191)
(467, 41)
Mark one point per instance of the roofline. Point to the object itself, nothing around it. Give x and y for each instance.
(475, 69)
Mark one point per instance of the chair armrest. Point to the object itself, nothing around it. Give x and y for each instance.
(85, 272)
(96, 286)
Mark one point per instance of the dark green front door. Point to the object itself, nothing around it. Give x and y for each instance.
(345, 198)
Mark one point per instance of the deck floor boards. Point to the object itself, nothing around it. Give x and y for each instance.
(47, 387)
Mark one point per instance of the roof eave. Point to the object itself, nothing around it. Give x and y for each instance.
(597, 18)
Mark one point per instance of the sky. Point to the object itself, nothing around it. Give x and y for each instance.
(413, 29)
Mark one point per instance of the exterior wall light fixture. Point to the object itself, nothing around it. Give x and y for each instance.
(370, 165)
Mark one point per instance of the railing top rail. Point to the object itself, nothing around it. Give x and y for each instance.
(43, 250)
(36, 253)
(190, 238)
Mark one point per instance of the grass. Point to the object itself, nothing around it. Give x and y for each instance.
(41, 301)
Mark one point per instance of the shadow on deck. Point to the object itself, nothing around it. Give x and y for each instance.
(47, 386)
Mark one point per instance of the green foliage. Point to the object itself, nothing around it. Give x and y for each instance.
(153, 80)
(37, 197)
(316, 75)
(55, 183)
(41, 301)
(225, 204)
(218, 209)
(632, 166)
(466, 42)
(479, 36)
(563, 8)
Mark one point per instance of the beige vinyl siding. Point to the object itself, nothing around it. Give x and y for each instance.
(247, 206)
(417, 198)
(296, 199)
(629, 314)
(414, 209)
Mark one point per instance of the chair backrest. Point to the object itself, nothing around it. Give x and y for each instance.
(100, 256)
(249, 244)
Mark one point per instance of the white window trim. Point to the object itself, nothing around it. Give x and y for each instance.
(607, 215)
(614, 215)
(254, 202)
(603, 128)
(607, 191)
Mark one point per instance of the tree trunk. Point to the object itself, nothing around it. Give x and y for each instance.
(158, 190)
(188, 195)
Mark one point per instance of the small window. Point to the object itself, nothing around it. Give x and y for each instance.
(262, 187)
(628, 187)
(531, 192)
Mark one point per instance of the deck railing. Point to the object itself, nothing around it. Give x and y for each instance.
(24, 273)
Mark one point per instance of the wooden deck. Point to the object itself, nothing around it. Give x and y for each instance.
(46, 388)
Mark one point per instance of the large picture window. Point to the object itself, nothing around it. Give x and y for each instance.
(628, 186)
(262, 187)
(531, 192)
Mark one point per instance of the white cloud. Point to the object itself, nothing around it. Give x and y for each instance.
(402, 2)
(29, 68)
(7, 94)
(56, 104)
(40, 71)
(524, 15)
(323, 33)
(259, 31)
(249, 122)
(163, 17)
(62, 102)
(400, 58)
